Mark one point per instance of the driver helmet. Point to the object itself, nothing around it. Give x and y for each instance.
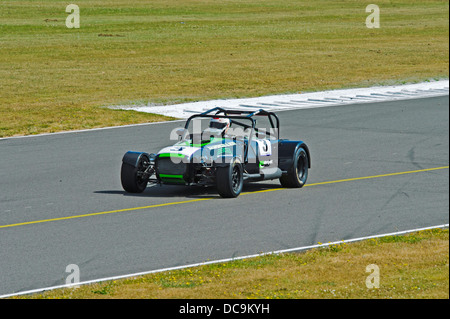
(219, 125)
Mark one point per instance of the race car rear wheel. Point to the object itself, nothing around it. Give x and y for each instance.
(298, 173)
(133, 178)
(230, 179)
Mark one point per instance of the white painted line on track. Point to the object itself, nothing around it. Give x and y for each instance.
(88, 130)
(296, 249)
(279, 103)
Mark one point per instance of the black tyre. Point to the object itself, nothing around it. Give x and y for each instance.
(298, 173)
(230, 179)
(133, 178)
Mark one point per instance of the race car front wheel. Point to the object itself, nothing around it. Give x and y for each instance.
(230, 179)
(133, 178)
(298, 173)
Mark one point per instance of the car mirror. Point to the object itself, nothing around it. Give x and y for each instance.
(181, 133)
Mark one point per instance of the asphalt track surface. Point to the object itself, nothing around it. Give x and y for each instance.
(61, 201)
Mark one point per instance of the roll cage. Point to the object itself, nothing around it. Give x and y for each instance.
(235, 115)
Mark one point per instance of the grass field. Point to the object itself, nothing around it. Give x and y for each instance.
(164, 51)
(413, 266)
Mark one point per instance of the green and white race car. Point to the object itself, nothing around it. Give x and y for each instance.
(226, 152)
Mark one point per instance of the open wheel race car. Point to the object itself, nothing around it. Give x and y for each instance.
(231, 150)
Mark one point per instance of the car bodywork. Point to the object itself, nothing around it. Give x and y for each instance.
(198, 158)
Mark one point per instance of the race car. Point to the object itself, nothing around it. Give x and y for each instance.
(224, 148)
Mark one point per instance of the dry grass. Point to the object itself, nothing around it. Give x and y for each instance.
(413, 266)
(168, 51)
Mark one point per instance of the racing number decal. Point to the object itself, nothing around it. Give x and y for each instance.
(265, 148)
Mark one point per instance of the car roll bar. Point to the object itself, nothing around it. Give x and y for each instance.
(234, 115)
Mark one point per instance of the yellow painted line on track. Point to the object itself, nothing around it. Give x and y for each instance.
(209, 198)
(378, 176)
(355, 179)
(104, 213)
